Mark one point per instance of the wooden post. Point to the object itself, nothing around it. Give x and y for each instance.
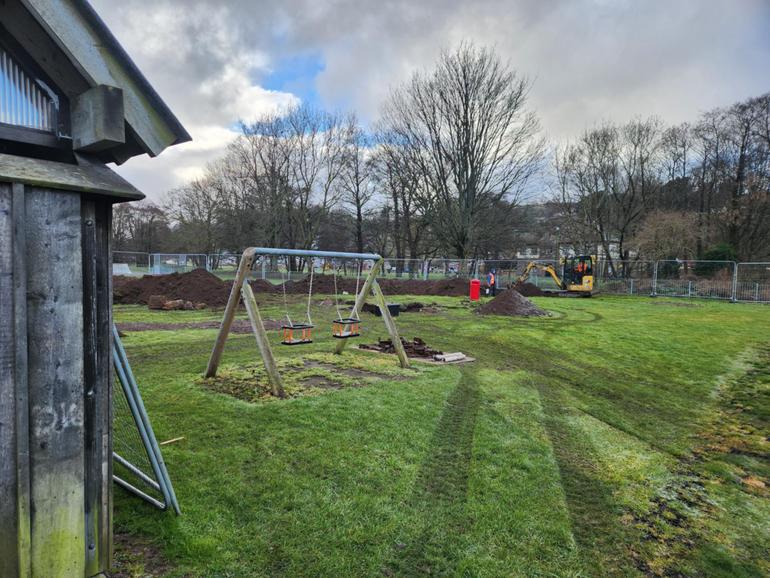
(55, 381)
(390, 324)
(361, 299)
(232, 305)
(262, 341)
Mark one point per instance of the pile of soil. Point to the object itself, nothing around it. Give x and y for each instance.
(513, 304)
(528, 290)
(197, 286)
(445, 287)
(411, 307)
(415, 348)
(200, 286)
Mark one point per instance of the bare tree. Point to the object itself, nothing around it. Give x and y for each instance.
(607, 181)
(356, 177)
(466, 126)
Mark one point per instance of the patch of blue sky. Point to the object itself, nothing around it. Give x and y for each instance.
(296, 74)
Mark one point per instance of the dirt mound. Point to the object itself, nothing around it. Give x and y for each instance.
(200, 286)
(325, 284)
(445, 287)
(528, 290)
(197, 286)
(511, 303)
(261, 286)
(415, 348)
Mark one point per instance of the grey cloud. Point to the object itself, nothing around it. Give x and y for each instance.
(590, 59)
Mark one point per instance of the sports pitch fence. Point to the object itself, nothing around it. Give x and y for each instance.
(723, 280)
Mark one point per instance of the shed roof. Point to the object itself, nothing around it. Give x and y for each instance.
(97, 57)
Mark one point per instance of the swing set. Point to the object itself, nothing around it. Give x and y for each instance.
(343, 328)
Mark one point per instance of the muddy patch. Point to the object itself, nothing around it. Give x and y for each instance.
(135, 556)
(313, 374)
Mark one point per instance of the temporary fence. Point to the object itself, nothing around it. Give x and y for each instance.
(164, 263)
(704, 279)
(752, 282)
(725, 280)
(130, 263)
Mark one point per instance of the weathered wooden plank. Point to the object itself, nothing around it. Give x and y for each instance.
(87, 176)
(54, 316)
(97, 307)
(9, 561)
(104, 374)
(24, 505)
(92, 446)
(390, 324)
(263, 343)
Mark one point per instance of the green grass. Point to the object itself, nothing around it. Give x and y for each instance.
(620, 436)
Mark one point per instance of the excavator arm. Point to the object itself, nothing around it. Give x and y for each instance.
(545, 268)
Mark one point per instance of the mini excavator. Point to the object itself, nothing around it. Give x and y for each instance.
(576, 280)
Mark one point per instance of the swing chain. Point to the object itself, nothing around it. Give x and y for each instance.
(285, 301)
(310, 291)
(354, 313)
(336, 293)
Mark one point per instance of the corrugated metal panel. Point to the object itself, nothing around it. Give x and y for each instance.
(23, 102)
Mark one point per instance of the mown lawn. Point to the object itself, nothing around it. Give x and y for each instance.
(619, 437)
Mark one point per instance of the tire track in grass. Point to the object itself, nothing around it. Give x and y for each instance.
(592, 506)
(440, 492)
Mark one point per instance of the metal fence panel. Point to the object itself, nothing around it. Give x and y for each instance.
(130, 263)
(165, 263)
(631, 277)
(691, 278)
(752, 282)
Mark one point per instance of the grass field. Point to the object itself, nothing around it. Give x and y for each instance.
(619, 437)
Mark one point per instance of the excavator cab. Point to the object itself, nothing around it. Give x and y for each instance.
(578, 274)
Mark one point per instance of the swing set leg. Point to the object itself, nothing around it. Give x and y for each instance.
(390, 324)
(262, 341)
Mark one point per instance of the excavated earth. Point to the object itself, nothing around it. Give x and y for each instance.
(415, 348)
(200, 286)
(528, 290)
(513, 304)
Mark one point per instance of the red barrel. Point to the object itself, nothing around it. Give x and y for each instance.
(475, 289)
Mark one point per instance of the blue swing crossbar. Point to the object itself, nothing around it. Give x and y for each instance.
(308, 253)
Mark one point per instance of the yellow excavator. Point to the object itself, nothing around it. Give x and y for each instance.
(577, 276)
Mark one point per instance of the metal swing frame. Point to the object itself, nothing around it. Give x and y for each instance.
(241, 289)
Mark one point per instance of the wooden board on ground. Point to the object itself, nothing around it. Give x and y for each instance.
(451, 361)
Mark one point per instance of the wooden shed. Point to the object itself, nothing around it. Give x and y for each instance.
(71, 101)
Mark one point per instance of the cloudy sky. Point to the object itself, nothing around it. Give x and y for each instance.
(215, 62)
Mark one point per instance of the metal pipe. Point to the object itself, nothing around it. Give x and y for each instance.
(127, 380)
(120, 369)
(136, 471)
(134, 490)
